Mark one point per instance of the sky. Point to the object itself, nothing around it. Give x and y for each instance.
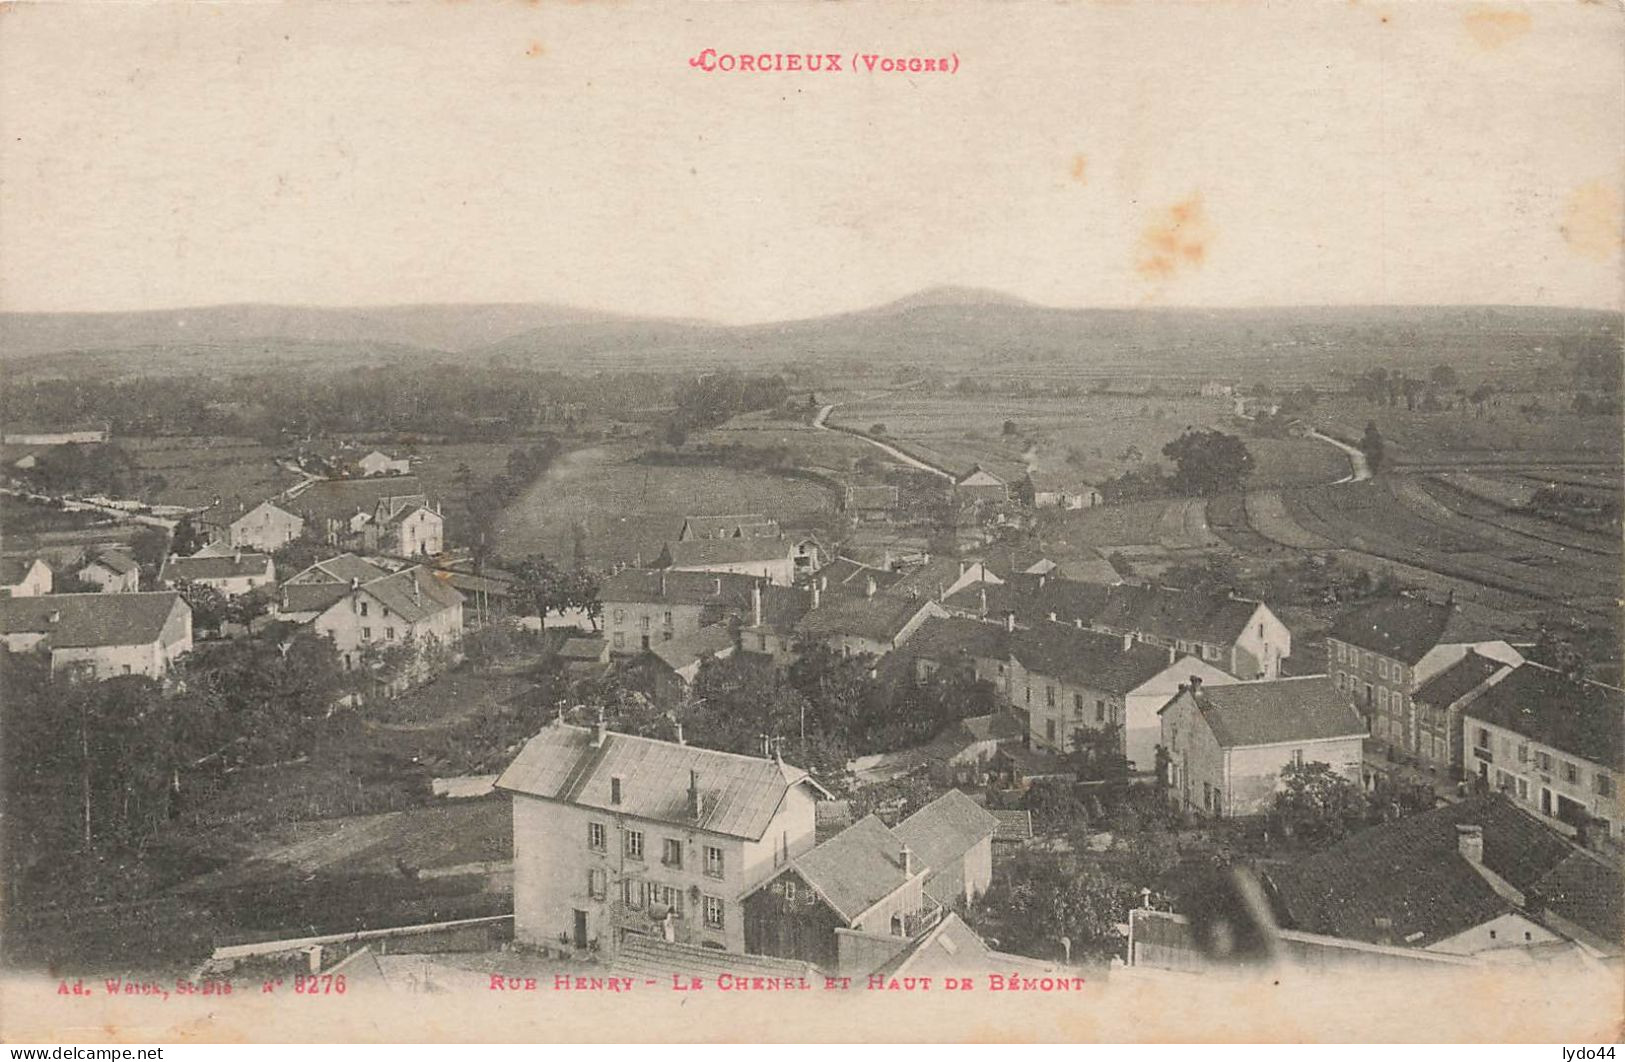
(1113, 153)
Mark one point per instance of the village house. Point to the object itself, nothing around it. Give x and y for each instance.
(674, 665)
(1080, 564)
(769, 629)
(1479, 879)
(265, 528)
(100, 635)
(953, 837)
(24, 577)
(1031, 598)
(338, 512)
(740, 525)
(408, 607)
(1046, 490)
(845, 577)
(643, 607)
(307, 594)
(980, 485)
(875, 623)
(1236, 635)
(232, 575)
(1433, 735)
(847, 906)
(1227, 745)
(1553, 744)
(773, 559)
(584, 656)
(112, 571)
(405, 526)
(1381, 652)
(614, 834)
(378, 463)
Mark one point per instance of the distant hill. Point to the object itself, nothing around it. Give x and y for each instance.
(953, 329)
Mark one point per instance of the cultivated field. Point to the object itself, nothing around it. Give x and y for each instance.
(196, 470)
(631, 509)
(1502, 435)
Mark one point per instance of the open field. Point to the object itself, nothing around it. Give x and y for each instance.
(631, 509)
(196, 470)
(809, 447)
(1092, 437)
(1501, 436)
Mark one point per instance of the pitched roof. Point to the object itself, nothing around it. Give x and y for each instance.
(583, 648)
(879, 618)
(395, 508)
(977, 476)
(844, 576)
(931, 579)
(740, 794)
(643, 955)
(1179, 614)
(651, 586)
(996, 727)
(957, 638)
(742, 525)
(341, 569)
(1045, 482)
(1405, 628)
(1086, 658)
(783, 606)
(1033, 597)
(1411, 873)
(116, 561)
(413, 593)
(1585, 719)
(685, 649)
(90, 620)
(1276, 710)
(701, 551)
(1013, 824)
(312, 597)
(232, 566)
(339, 499)
(1458, 680)
(857, 868)
(1585, 890)
(940, 833)
(14, 570)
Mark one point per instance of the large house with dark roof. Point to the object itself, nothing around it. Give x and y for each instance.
(1227, 745)
(1478, 878)
(615, 834)
(1046, 490)
(953, 835)
(233, 574)
(643, 607)
(100, 635)
(24, 577)
(412, 607)
(1382, 651)
(1553, 744)
(112, 571)
(266, 526)
(1433, 734)
(390, 514)
(1236, 635)
(766, 558)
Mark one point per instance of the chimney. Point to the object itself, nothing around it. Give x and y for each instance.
(1052, 615)
(1172, 654)
(598, 731)
(615, 789)
(1040, 580)
(962, 569)
(817, 592)
(716, 586)
(694, 796)
(1470, 843)
(237, 557)
(906, 860)
(1078, 623)
(984, 600)
(755, 604)
(355, 582)
(1196, 684)
(869, 586)
(662, 582)
(1009, 620)
(680, 740)
(54, 617)
(1128, 642)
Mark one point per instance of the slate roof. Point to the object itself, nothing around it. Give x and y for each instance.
(1585, 890)
(740, 794)
(1457, 680)
(1013, 825)
(14, 570)
(312, 597)
(395, 508)
(956, 638)
(879, 618)
(843, 576)
(1277, 710)
(1405, 628)
(741, 525)
(1584, 719)
(684, 650)
(583, 648)
(1032, 598)
(1086, 658)
(1411, 873)
(931, 579)
(1215, 619)
(90, 620)
(644, 955)
(340, 569)
(701, 551)
(940, 833)
(117, 562)
(649, 586)
(232, 566)
(857, 868)
(783, 606)
(413, 593)
(340, 499)
(999, 726)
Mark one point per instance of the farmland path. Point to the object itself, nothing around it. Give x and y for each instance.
(1362, 467)
(821, 421)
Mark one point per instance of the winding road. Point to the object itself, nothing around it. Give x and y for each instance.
(1362, 467)
(821, 421)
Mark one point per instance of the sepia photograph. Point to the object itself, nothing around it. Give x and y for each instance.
(812, 522)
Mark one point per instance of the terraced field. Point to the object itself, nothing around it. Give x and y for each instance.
(1266, 514)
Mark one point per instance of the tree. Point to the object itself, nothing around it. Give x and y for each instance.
(149, 547)
(209, 606)
(1097, 753)
(1043, 899)
(541, 585)
(1010, 428)
(1208, 462)
(187, 538)
(1316, 802)
(1443, 377)
(1371, 446)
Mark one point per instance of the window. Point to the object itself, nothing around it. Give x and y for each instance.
(1571, 773)
(1049, 731)
(761, 643)
(665, 636)
(389, 634)
(713, 861)
(672, 898)
(620, 615)
(1523, 752)
(1077, 705)
(789, 888)
(713, 912)
(363, 608)
(634, 844)
(672, 852)
(1049, 696)
(1543, 760)
(1338, 648)
(1029, 695)
(1382, 699)
(1382, 668)
(1297, 757)
(632, 894)
(597, 883)
(643, 621)
(1481, 740)
(366, 632)
(620, 640)
(1210, 651)
(1342, 680)
(1603, 784)
(1523, 789)
(595, 836)
(1100, 711)
(126, 669)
